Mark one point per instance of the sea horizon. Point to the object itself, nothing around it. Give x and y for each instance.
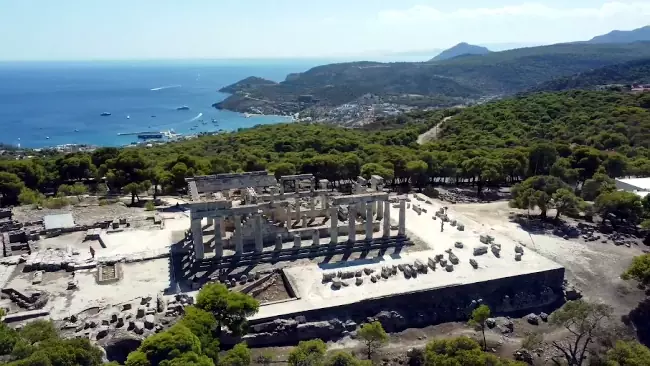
(46, 104)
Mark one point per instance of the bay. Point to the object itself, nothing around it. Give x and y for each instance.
(64, 100)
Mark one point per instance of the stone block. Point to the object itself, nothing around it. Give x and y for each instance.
(518, 257)
(368, 271)
(443, 262)
(449, 268)
(120, 322)
(140, 312)
(359, 281)
(37, 277)
(373, 278)
(432, 263)
(138, 327)
(519, 249)
(453, 258)
(149, 321)
(102, 332)
(480, 250)
(491, 323)
(460, 227)
(458, 245)
(126, 306)
(113, 317)
(336, 283)
(145, 300)
(532, 319)
(473, 262)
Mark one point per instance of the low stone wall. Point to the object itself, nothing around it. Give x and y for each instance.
(513, 296)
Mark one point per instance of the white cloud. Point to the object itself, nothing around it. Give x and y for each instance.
(425, 13)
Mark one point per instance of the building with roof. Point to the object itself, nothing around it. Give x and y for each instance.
(640, 186)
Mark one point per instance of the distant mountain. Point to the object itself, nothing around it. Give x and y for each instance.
(633, 72)
(492, 74)
(248, 83)
(640, 34)
(460, 50)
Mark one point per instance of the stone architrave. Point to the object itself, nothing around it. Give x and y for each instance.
(401, 230)
(197, 238)
(259, 234)
(369, 221)
(296, 241)
(334, 225)
(278, 242)
(386, 219)
(352, 223)
(239, 239)
(315, 237)
(218, 239)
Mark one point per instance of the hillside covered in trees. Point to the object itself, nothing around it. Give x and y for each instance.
(628, 73)
(570, 134)
(495, 73)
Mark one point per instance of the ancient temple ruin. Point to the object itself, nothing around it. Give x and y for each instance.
(234, 214)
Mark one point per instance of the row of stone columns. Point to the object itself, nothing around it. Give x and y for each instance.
(219, 228)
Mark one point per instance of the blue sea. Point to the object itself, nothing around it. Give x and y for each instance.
(64, 100)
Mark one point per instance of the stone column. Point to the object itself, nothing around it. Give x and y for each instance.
(334, 225)
(197, 238)
(312, 206)
(210, 221)
(386, 219)
(304, 221)
(324, 202)
(296, 241)
(239, 238)
(379, 209)
(362, 209)
(298, 215)
(401, 231)
(312, 184)
(315, 237)
(296, 185)
(369, 221)
(259, 234)
(278, 242)
(223, 227)
(288, 217)
(352, 224)
(218, 239)
(282, 188)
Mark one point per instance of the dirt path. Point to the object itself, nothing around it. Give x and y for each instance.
(432, 134)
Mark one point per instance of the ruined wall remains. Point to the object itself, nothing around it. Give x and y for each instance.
(514, 296)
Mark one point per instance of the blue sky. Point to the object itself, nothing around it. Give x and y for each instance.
(164, 29)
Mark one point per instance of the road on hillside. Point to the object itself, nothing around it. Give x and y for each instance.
(432, 134)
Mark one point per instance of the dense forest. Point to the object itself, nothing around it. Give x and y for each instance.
(628, 73)
(495, 73)
(571, 135)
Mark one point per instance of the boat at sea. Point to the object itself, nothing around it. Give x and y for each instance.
(150, 135)
(183, 108)
(76, 130)
(104, 114)
(128, 117)
(214, 120)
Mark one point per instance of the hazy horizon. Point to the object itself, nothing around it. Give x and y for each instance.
(124, 30)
